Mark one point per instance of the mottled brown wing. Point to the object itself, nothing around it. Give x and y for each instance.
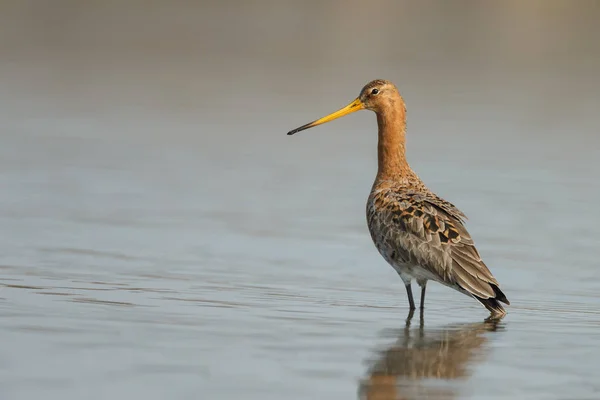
(440, 242)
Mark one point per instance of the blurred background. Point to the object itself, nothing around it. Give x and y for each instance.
(161, 236)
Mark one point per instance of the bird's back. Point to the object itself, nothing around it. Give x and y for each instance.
(423, 237)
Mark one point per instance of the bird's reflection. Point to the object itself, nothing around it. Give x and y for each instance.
(426, 363)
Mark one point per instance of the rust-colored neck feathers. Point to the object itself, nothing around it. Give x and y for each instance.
(392, 164)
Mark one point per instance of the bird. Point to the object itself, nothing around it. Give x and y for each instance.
(421, 235)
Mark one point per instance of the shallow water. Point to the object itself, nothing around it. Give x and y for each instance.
(161, 236)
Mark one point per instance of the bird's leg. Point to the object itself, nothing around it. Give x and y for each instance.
(423, 296)
(411, 312)
(423, 284)
(411, 301)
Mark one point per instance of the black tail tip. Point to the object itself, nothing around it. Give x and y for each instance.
(494, 307)
(499, 295)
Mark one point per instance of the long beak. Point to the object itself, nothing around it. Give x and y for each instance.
(350, 108)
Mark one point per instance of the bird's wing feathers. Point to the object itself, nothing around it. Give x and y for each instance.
(430, 233)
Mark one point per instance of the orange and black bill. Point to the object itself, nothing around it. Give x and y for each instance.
(350, 108)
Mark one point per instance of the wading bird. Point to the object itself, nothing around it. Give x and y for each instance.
(421, 235)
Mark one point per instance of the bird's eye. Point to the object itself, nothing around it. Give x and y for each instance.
(375, 91)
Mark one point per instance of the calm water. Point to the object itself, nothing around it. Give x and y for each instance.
(161, 236)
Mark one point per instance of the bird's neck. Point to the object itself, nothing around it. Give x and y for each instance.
(392, 164)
